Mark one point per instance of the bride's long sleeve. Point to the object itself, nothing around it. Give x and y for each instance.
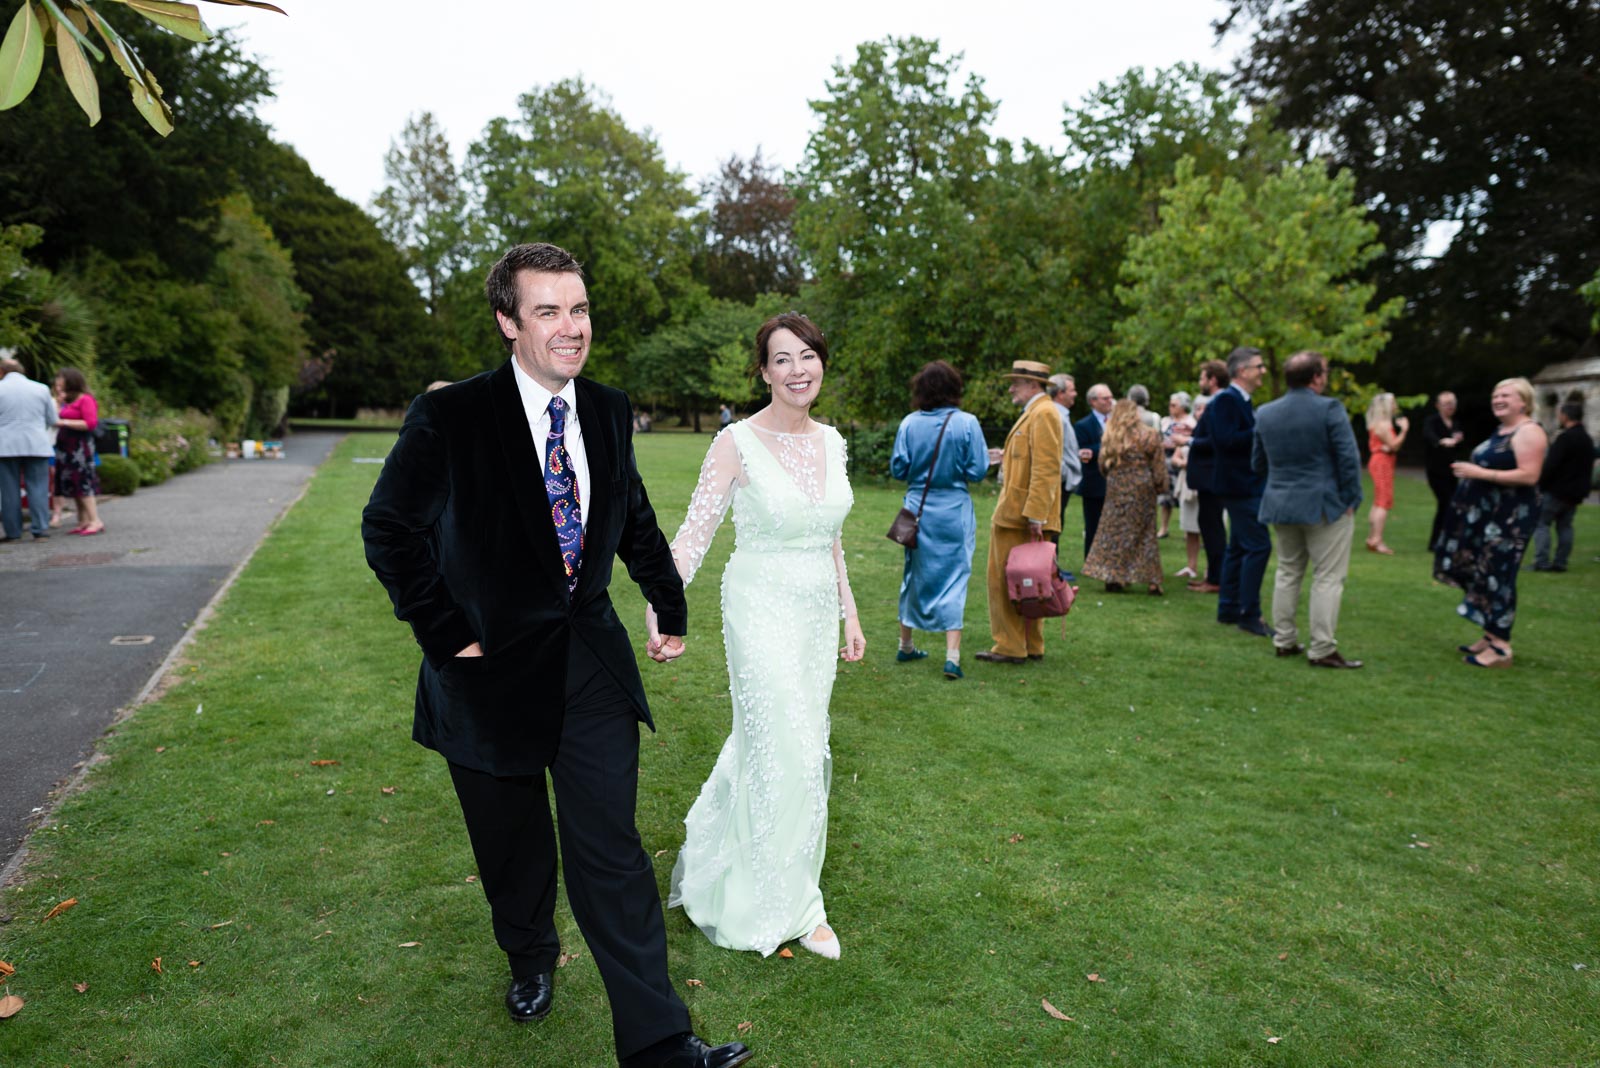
(847, 600)
(720, 472)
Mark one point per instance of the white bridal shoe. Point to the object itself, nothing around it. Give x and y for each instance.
(826, 946)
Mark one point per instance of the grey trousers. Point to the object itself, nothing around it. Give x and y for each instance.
(1325, 547)
(1557, 511)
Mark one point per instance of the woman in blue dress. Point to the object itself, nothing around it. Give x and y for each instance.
(1492, 514)
(933, 587)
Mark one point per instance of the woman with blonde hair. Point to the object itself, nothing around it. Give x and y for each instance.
(1125, 548)
(1492, 514)
(1386, 432)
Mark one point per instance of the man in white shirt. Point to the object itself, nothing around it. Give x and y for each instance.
(27, 412)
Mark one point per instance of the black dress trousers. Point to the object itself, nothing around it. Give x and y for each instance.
(611, 882)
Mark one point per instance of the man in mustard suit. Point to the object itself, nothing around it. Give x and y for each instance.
(1029, 507)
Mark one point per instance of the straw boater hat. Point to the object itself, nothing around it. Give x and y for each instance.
(1032, 370)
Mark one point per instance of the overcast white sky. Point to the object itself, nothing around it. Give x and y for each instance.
(710, 79)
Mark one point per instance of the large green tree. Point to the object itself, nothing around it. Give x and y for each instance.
(568, 170)
(422, 206)
(1472, 116)
(749, 243)
(702, 359)
(1271, 264)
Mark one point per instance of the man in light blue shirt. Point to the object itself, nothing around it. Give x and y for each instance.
(27, 412)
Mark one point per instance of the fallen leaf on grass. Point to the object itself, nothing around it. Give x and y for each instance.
(472, 878)
(1053, 1011)
(81, 988)
(266, 823)
(323, 763)
(1274, 1039)
(219, 926)
(786, 953)
(745, 1027)
(1283, 956)
(566, 959)
(194, 964)
(155, 966)
(1014, 839)
(6, 971)
(10, 1005)
(660, 852)
(387, 789)
(409, 945)
(161, 749)
(1094, 977)
(59, 909)
(693, 982)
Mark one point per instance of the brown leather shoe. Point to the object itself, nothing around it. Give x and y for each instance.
(1292, 651)
(991, 657)
(1204, 587)
(1334, 660)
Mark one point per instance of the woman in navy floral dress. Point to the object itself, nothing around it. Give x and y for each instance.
(1491, 518)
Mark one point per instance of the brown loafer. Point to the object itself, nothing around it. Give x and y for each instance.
(989, 656)
(1334, 660)
(1294, 650)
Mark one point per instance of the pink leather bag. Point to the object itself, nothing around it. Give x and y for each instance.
(1034, 583)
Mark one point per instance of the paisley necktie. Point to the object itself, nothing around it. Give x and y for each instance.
(561, 486)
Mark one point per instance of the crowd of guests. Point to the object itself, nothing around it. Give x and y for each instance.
(47, 446)
(1239, 478)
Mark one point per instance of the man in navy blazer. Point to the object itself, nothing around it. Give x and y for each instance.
(493, 526)
(1307, 451)
(1089, 430)
(1226, 434)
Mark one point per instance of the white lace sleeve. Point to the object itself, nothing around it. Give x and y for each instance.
(847, 600)
(720, 473)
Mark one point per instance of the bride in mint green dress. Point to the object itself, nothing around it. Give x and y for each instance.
(749, 873)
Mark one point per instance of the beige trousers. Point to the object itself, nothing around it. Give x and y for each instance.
(1013, 635)
(1326, 547)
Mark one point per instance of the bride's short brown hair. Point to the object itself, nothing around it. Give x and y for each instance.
(800, 327)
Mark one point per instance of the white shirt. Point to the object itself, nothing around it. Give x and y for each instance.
(536, 406)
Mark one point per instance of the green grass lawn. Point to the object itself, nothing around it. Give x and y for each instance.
(1188, 846)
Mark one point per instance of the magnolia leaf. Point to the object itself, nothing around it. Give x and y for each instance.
(1053, 1011)
(76, 25)
(151, 106)
(249, 3)
(182, 19)
(79, 75)
(10, 1005)
(21, 57)
(59, 909)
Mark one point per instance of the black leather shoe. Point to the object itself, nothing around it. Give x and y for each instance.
(1256, 627)
(989, 656)
(529, 999)
(687, 1051)
(1334, 660)
(1294, 650)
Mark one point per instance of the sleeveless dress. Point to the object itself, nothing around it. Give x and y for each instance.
(1380, 465)
(1485, 535)
(749, 871)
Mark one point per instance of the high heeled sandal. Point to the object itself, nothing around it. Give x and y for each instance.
(1503, 662)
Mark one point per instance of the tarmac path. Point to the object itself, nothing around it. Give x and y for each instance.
(85, 622)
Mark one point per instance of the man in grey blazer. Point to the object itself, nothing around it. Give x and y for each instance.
(1307, 451)
(27, 412)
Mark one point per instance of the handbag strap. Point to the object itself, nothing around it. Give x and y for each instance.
(929, 483)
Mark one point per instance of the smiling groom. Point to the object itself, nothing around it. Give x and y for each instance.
(493, 527)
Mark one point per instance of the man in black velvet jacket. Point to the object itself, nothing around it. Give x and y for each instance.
(493, 526)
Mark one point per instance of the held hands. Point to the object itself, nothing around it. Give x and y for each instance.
(855, 643)
(658, 647)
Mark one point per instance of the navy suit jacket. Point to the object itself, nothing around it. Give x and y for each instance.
(1089, 432)
(1306, 450)
(459, 532)
(1227, 433)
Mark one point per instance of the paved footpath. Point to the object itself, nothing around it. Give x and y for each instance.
(85, 622)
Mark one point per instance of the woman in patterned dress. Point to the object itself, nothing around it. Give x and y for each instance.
(75, 471)
(1125, 548)
(1492, 515)
(749, 872)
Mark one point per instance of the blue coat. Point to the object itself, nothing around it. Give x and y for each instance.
(1307, 452)
(933, 586)
(1226, 433)
(1094, 480)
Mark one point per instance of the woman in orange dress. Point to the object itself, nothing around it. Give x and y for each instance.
(1386, 432)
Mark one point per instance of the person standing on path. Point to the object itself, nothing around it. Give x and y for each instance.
(1030, 485)
(1566, 480)
(493, 527)
(1227, 433)
(27, 412)
(1307, 452)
